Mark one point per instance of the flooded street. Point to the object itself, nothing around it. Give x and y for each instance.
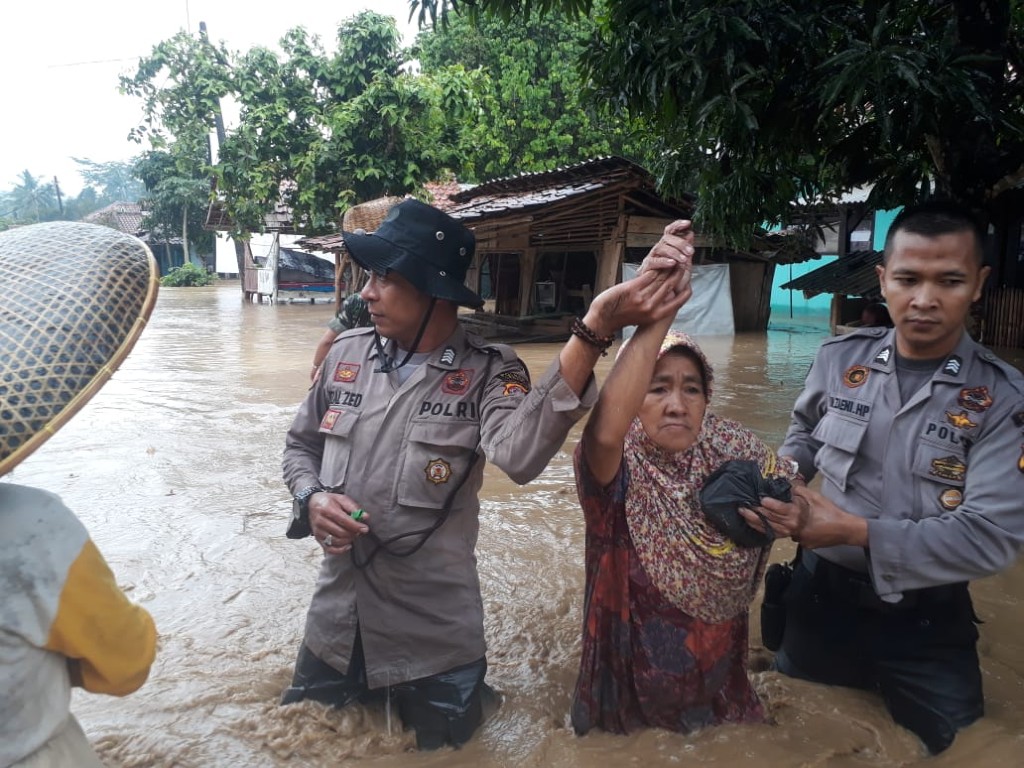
(175, 469)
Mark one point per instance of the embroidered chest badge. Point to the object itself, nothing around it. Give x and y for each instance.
(329, 419)
(438, 471)
(951, 498)
(960, 420)
(949, 468)
(975, 399)
(457, 382)
(345, 373)
(855, 375)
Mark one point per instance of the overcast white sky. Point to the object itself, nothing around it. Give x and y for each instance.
(60, 61)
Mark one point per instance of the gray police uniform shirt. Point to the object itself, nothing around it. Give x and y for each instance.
(939, 478)
(400, 450)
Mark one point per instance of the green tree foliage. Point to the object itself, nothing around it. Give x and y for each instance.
(317, 131)
(759, 103)
(187, 275)
(532, 107)
(328, 131)
(175, 202)
(110, 182)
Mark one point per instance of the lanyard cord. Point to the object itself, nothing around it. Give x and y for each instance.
(386, 544)
(387, 361)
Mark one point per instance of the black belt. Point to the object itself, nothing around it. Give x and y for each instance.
(856, 588)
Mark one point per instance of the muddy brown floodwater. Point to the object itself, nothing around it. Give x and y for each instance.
(175, 468)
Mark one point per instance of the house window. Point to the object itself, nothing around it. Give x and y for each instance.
(861, 236)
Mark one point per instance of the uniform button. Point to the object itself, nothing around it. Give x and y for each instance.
(888, 577)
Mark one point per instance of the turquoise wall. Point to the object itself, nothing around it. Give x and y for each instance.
(785, 302)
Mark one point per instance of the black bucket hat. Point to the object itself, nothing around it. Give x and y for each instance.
(426, 246)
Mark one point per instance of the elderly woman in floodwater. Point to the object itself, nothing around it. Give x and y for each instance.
(667, 595)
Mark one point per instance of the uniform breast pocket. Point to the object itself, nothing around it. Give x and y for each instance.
(840, 439)
(336, 426)
(437, 458)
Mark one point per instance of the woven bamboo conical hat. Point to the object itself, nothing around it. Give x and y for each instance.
(74, 298)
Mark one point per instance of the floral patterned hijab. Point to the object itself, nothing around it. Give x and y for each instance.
(696, 568)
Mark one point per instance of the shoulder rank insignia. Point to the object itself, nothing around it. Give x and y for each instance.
(960, 420)
(346, 373)
(949, 468)
(448, 356)
(855, 375)
(975, 399)
(883, 356)
(953, 365)
(438, 471)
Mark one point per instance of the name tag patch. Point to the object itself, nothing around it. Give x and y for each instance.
(859, 409)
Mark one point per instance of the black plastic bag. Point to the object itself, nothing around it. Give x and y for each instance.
(738, 483)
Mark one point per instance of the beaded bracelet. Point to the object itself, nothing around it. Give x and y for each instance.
(582, 331)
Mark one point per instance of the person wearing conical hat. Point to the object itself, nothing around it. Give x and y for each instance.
(76, 297)
(385, 461)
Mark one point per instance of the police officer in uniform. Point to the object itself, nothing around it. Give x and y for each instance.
(918, 433)
(385, 459)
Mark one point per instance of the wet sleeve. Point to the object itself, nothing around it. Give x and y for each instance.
(109, 641)
(523, 425)
(304, 443)
(807, 412)
(979, 538)
(599, 503)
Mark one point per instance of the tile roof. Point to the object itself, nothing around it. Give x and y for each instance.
(124, 217)
(127, 218)
(851, 275)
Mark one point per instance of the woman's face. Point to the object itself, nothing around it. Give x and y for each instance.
(673, 409)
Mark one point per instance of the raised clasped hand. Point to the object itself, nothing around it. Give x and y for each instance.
(330, 518)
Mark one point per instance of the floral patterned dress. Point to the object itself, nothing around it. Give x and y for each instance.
(645, 662)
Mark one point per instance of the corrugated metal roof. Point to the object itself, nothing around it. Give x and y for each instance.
(851, 275)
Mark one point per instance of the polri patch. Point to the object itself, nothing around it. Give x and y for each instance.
(457, 382)
(438, 471)
(949, 468)
(960, 420)
(855, 375)
(951, 498)
(514, 388)
(346, 373)
(976, 399)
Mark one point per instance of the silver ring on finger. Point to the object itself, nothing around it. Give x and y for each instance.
(328, 540)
